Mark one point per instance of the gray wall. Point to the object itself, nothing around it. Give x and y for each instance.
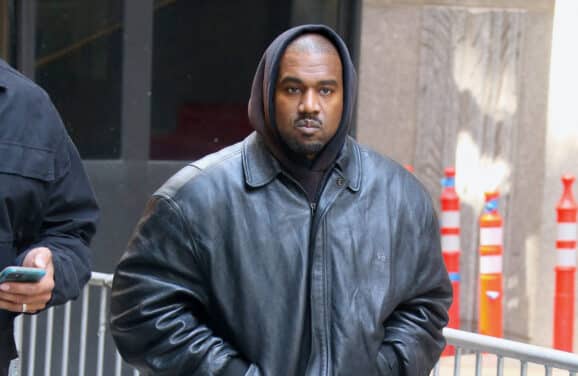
(465, 84)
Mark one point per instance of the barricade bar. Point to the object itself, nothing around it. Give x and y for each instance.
(512, 349)
(32, 345)
(101, 279)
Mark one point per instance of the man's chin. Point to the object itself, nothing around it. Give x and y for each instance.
(306, 149)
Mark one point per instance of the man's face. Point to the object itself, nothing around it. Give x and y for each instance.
(308, 99)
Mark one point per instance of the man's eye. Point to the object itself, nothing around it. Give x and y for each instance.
(325, 91)
(292, 90)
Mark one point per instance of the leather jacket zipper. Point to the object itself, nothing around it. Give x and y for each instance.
(324, 352)
(312, 232)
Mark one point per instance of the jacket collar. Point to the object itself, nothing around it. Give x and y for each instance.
(349, 163)
(4, 67)
(260, 167)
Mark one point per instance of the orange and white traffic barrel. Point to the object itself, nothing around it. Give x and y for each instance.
(450, 238)
(491, 251)
(565, 268)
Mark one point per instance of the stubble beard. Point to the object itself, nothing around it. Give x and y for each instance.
(305, 149)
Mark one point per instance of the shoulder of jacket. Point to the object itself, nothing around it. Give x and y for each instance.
(34, 115)
(206, 165)
(218, 158)
(393, 172)
(377, 159)
(21, 87)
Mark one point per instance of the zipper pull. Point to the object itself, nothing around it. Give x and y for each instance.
(313, 206)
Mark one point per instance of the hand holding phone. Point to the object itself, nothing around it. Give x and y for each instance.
(21, 274)
(28, 288)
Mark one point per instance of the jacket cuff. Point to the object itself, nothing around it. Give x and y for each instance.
(235, 367)
(392, 360)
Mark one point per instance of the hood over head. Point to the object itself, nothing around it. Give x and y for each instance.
(309, 173)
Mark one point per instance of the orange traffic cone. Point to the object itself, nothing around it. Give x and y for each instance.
(450, 237)
(565, 268)
(491, 250)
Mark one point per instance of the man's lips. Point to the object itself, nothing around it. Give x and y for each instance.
(308, 123)
(308, 127)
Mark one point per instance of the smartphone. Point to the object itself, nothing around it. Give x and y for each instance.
(21, 274)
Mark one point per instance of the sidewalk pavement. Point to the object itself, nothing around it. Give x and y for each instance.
(489, 367)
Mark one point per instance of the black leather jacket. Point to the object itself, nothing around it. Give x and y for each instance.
(231, 263)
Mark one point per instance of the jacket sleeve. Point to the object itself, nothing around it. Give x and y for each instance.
(159, 299)
(69, 217)
(413, 338)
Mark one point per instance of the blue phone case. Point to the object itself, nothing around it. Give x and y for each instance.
(21, 274)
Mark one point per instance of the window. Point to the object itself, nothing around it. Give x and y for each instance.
(78, 62)
(204, 56)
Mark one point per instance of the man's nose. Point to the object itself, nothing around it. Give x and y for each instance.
(309, 102)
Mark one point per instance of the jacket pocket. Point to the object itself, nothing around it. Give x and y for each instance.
(27, 161)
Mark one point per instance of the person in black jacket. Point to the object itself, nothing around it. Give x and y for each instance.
(48, 211)
(294, 252)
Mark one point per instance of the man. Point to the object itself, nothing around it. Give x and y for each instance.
(48, 211)
(294, 252)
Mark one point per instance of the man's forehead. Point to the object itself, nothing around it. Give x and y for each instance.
(312, 43)
(311, 57)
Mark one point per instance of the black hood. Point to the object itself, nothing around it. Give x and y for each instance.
(262, 107)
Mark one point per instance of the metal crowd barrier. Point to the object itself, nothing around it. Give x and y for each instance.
(97, 355)
(92, 332)
(529, 360)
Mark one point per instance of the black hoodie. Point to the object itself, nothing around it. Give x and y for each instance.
(308, 173)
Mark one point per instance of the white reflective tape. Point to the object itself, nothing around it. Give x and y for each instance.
(566, 231)
(491, 264)
(566, 257)
(491, 236)
(450, 243)
(493, 295)
(450, 219)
